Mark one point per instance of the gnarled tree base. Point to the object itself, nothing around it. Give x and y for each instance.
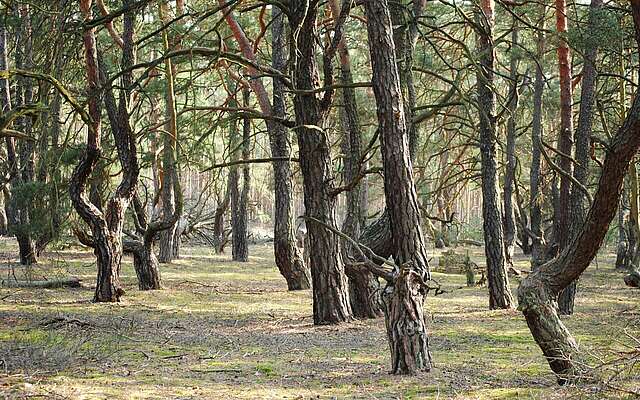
(405, 323)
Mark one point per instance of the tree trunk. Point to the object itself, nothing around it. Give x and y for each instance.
(23, 173)
(499, 291)
(364, 288)
(288, 257)
(535, 195)
(510, 232)
(565, 145)
(169, 167)
(220, 234)
(406, 326)
(239, 193)
(330, 291)
(538, 291)
(107, 226)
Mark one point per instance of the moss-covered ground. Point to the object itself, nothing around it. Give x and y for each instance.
(226, 330)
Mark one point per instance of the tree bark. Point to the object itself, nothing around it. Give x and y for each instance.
(406, 326)
(240, 193)
(538, 291)
(364, 288)
(565, 146)
(169, 168)
(499, 291)
(510, 232)
(107, 226)
(288, 257)
(330, 291)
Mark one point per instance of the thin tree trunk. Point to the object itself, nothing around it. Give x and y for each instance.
(169, 167)
(364, 288)
(510, 232)
(288, 257)
(565, 146)
(239, 196)
(24, 164)
(406, 326)
(535, 195)
(499, 291)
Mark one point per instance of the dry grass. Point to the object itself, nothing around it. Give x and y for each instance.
(225, 330)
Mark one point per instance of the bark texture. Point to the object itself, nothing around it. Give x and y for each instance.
(538, 292)
(330, 291)
(499, 291)
(406, 326)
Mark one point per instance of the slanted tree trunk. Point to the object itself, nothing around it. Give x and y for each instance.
(406, 327)
(535, 194)
(288, 257)
(499, 291)
(364, 288)
(330, 291)
(538, 292)
(510, 232)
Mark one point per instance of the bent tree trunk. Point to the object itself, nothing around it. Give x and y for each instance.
(106, 226)
(497, 280)
(538, 292)
(406, 326)
(330, 291)
(288, 257)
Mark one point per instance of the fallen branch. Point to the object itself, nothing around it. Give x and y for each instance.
(52, 284)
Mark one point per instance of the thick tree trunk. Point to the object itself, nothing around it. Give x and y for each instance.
(330, 291)
(405, 322)
(535, 195)
(538, 291)
(107, 226)
(145, 263)
(499, 291)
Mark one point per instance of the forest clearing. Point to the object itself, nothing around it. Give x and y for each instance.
(222, 329)
(387, 199)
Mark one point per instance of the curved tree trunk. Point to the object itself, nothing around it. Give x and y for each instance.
(538, 291)
(107, 226)
(499, 292)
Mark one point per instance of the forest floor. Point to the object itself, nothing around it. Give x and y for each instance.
(225, 330)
